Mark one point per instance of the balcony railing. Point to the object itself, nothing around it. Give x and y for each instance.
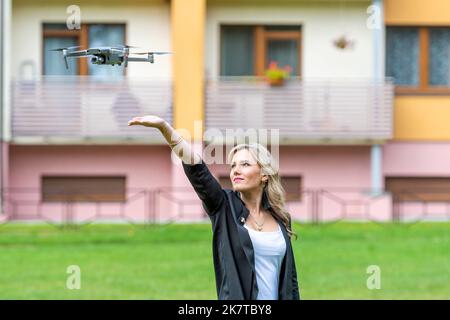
(304, 111)
(87, 108)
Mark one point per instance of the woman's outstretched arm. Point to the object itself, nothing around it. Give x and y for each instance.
(180, 146)
(205, 185)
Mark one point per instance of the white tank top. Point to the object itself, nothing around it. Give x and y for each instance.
(269, 248)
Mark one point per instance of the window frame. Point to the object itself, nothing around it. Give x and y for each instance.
(291, 197)
(418, 188)
(82, 36)
(423, 62)
(260, 38)
(82, 197)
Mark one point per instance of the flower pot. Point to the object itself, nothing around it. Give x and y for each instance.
(276, 82)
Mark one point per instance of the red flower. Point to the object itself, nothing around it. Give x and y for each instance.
(276, 73)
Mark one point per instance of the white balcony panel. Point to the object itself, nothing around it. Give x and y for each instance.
(305, 111)
(80, 109)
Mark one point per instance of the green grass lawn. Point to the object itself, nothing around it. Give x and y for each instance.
(175, 261)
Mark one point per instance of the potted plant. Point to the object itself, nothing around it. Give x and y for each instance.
(275, 75)
(343, 43)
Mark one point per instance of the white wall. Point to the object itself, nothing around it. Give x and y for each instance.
(6, 71)
(321, 24)
(147, 26)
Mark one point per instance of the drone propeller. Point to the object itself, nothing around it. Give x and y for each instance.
(152, 52)
(123, 47)
(64, 51)
(66, 48)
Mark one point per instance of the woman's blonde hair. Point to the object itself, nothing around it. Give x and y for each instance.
(272, 188)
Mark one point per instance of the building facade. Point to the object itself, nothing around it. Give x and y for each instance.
(360, 127)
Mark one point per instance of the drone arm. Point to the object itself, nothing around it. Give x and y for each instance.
(117, 51)
(139, 59)
(80, 53)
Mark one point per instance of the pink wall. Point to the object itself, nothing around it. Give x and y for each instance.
(145, 167)
(5, 173)
(416, 159)
(150, 167)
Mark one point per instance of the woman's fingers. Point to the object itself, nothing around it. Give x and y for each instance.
(135, 120)
(148, 121)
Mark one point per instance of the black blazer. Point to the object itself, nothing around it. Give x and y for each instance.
(234, 263)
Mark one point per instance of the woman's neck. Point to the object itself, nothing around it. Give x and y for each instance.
(252, 200)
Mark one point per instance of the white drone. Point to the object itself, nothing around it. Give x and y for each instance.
(108, 55)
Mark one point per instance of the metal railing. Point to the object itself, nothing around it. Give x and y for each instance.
(304, 110)
(148, 206)
(167, 204)
(87, 107)
(415, 204)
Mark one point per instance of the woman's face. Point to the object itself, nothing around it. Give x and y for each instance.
(245, 172)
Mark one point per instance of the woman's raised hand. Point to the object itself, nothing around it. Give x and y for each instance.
(183, 149)
(148, 121)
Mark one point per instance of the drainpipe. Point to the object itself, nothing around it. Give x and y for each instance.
(5, 39)
(2, 79)
(376, 154)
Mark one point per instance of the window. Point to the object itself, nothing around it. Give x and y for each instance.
(439, 57)
(402, 56)
(291, 185)
(418, 58)
(83, 189)
(56, 35)
(419, 188)
(248, 50)
(237, 51)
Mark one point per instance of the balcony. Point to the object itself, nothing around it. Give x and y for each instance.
(308, 111)
(87, 109)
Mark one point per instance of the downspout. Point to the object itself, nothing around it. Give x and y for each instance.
(376, 154)
(2, 79)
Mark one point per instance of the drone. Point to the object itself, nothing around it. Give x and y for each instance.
(107, 55)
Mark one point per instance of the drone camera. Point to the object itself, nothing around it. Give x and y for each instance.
(97, 60)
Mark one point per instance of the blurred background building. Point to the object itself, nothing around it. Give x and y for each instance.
(362, 119)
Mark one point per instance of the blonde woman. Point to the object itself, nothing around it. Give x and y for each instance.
(252, 252)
